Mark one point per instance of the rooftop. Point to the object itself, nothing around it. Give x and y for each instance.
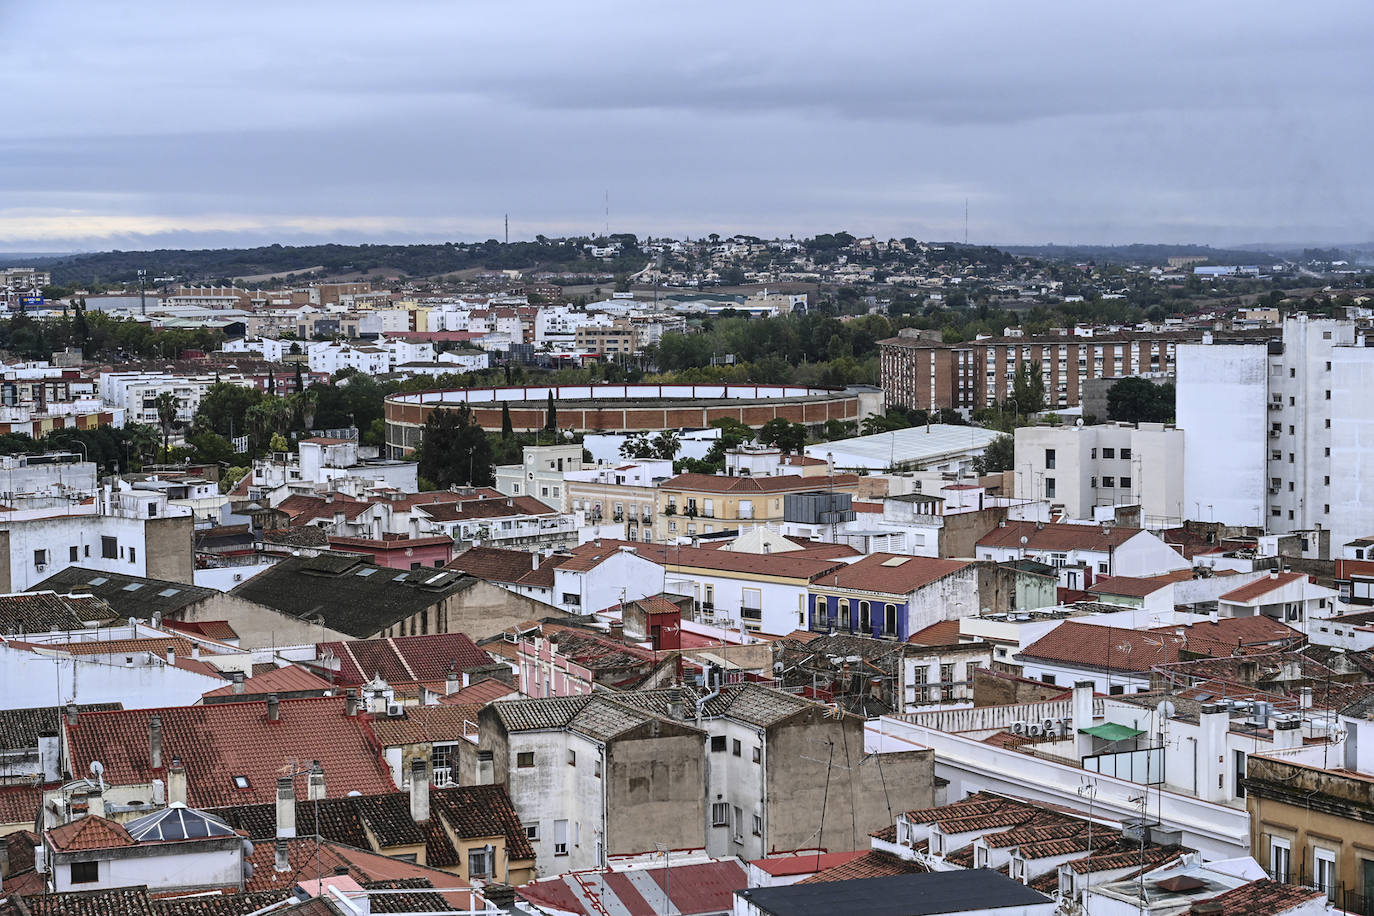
(127, 596)
(918, 894)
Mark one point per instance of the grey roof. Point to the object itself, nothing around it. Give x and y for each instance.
(536, 714)
(918, 894)
(41, 611)
(749, 703)
(352, 595)
(128, 596)
(600, 717)
(20, 728)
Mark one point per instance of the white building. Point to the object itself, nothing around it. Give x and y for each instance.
(1084, 469)
(1279, 434)
(1081, 553)
(540, 474)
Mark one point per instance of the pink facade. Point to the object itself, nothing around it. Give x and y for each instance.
(545, 673)
(399, 552)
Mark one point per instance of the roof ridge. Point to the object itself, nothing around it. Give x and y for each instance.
(396, 650)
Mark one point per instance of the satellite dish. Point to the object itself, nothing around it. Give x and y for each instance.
(97, 768)
(1166, 709)
(1078, 422)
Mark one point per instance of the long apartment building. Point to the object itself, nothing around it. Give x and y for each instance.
(922, 373)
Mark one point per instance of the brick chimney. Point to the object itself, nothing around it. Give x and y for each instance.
(176, 783)
(155, 741)
(286, 808)
(273, 708)
(315, 783)
(419, 791)
(351, 702)
(237, 678)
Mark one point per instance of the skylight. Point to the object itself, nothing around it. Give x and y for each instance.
(169, 592)
(98, 580)
(240, 782)
(133, 586)
(364, 573)
(895, 561)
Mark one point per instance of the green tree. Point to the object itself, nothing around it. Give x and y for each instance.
(279, 443)
(455, 450)
(550, 414)
(166, 406)
(1138, 400)
(666, 444)
(507, 430)
(787, 436)
(637, 445)
(230, 477)
(1000, 455)
(1028, 389)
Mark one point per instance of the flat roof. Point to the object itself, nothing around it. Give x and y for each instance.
(919, 894)
(905, 446)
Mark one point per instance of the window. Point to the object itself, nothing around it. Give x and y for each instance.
(758, 755)
(1125, 454)
(240, 782)
(844, 613)
(572, 598)
(73, 554)
(1108, 481)
(524, 760)
(85, 872)
(947, 681)
(720, 814)
(479, 862)
(560, 838)
(1109, 453)
(1117, 690)
(739, 825)
(572, 757)
(1324, 871)
(735, 747)
(717, 744)
(890, 619)
(531, 832)
(40, 558)
(1125, 483)
(758, 825)
(109, 548)
(1049, 488)
(133, 554)
(1049, 458)
(1047, 678)
(1238, 760)
(865, 618)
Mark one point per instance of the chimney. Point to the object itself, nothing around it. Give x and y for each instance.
(273, 708)
(315, 786)
(95, 802)
(71, 713)
(195, 650)
(351, 703)
(286, 808)
(1214, 721)
(419, 792)
(171, 656)
(1287, 732)
(237, 678)
(282, 861)
(534, 560)
(453, 681)
(155, 741)
(176, 783)
(675, 702)
(1306, 701)
(618, 630)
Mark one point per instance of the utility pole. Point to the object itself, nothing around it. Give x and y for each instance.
(142, 291)
(507, 228)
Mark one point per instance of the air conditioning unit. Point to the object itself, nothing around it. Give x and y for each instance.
(40, 567)
(238, 577)
(395, 709)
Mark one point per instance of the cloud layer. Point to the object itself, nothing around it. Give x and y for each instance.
(135, 125)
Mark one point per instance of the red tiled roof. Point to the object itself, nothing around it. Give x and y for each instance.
(1092, 645)
(422, 725)
(1260, 587)
(1129, 586)
(158, 645)
(891, 573)
(1057, 537)
(405, 659)
(495, 564)
(803, 863)
(1263, 898)
(303, 859)
(480, 693)
(288, 679)
(784, 483)
(210, 629)
(944, 633)
(217, 743)
(19, 804)
(873, 864)
(89, 832)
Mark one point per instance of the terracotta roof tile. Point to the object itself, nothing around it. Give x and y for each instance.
(287, 679)
(405, 659)
(19, 804)
(1093, 645)
(784, 483)
(891, 573)
(89, 832)
(211, 742)
(423, 725)
(1263, 898)
(1262, 586)
(944, 633)
(873, 864)
(1057, 536)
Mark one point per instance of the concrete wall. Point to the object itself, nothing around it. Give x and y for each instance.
(28, 679)
(479, 611)
(993, 688)
(258, 626)
(1222, 409)
(655, 790)
(859, 800)
(960, 533)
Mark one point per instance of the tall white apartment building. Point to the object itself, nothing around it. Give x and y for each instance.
(1282, 435)
(1083, 469)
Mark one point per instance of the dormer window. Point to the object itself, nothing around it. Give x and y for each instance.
(240, 782)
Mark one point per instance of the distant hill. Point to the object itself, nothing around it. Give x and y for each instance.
(1137, 254)
(204, 265)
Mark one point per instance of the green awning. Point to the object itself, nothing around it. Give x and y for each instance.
(1111, 731)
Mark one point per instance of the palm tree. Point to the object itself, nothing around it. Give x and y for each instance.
(307, 402)
(166, 404)
(666, 444)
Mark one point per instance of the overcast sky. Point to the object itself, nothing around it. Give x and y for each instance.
(186, 124)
